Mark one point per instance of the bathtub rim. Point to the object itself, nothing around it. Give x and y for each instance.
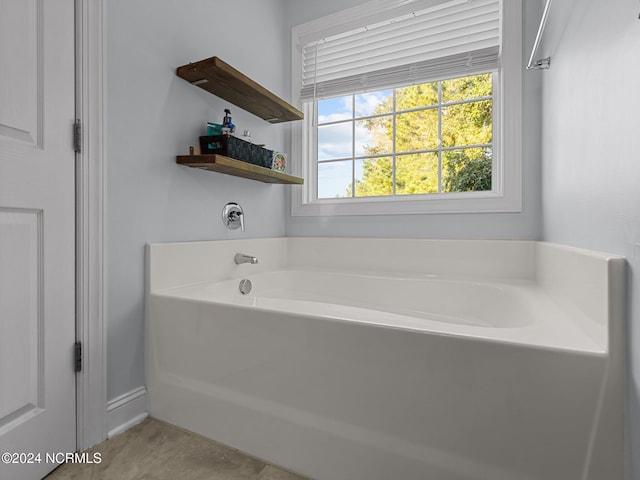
(179, 264)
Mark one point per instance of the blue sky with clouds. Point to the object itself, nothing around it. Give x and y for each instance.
(337, 140)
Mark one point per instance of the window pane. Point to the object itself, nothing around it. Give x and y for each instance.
(417, 130)
(417, 173)
(434, 137)
(374, 136)
(335, 141)
(335, 179)
(467, 124)
(374, 103)
(374, 177)
(466, 88)
(335, 109)
(466, 170)
(414, 96)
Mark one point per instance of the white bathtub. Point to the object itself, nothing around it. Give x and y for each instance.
(394, 359)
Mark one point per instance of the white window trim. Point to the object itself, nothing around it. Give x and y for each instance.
(507, 175)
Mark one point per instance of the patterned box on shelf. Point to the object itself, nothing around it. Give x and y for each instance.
(236, 148)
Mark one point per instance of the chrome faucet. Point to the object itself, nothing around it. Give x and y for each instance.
(242, 258)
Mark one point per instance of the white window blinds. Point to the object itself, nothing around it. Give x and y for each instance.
(459, 37)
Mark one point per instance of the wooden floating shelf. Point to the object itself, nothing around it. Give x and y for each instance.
(224, 81)
(230, 166)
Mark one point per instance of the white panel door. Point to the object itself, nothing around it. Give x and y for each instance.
(37, 235)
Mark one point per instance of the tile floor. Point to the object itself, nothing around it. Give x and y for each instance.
(154, 450)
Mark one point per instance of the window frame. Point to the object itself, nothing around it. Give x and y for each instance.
(506, 193)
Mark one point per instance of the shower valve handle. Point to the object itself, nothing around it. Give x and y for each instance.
(233, 216)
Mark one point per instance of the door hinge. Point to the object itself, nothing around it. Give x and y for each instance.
(78, 356)
(77, 136)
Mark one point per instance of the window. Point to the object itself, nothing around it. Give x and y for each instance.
(410, 106)
(419, 139)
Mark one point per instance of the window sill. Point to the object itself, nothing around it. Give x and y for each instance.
(473, 202)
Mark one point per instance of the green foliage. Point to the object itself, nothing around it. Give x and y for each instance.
(378, 178)
(417, 128)
(466, 170)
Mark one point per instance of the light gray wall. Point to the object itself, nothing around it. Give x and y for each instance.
(591, 158)
(298, 12)
(524, 225)
(152, 115)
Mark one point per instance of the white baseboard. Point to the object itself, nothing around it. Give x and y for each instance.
(127, 410)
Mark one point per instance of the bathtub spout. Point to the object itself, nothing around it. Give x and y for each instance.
(242, 258)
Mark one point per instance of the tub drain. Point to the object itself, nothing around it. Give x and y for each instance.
(245, 286)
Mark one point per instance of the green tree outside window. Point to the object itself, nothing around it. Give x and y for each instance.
(441, 133)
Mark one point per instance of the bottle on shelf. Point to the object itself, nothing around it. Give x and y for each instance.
(227, 126)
